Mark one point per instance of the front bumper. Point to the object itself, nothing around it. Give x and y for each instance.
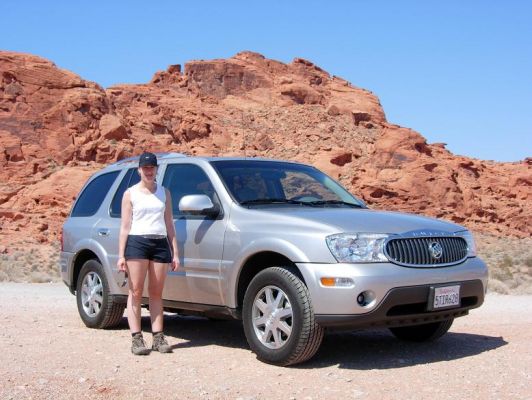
(381, 279)
(407, 306)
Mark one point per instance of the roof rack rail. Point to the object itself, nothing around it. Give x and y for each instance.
(159, 156)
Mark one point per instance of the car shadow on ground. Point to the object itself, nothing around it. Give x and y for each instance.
(379, 349)
(362, 350)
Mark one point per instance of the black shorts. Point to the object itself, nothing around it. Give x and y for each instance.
(142, 248)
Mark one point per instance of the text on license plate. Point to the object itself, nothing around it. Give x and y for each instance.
(446, 296)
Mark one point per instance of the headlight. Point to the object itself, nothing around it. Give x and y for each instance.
(471, 247)
(357, 247)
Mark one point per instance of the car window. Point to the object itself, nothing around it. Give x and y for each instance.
(249, 185)
(185, 179)
(92, 196)
(300, 185)
(130, 178)
(256, 182)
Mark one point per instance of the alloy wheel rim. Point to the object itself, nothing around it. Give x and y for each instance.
(92, 294)
(272, 317)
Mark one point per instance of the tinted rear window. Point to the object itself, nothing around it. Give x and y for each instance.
(130, 178)
(91, 198)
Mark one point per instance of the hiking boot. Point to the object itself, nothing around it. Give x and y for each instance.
(138, 346)
(160, 344)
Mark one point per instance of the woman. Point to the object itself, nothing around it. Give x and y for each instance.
(147, 227)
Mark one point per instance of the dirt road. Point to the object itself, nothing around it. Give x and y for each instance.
(47, 352)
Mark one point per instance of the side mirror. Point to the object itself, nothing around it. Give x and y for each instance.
(198, 204)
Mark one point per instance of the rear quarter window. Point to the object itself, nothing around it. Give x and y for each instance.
(91, 198)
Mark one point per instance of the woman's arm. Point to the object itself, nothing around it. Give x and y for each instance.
(125, 226)
(170, 230)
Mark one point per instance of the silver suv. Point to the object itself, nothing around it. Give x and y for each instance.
(282, 247)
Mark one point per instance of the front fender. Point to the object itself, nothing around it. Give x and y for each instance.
(275, 245)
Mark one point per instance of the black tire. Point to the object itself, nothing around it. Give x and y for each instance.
(306, 335)
(110, 311)
(423, 333)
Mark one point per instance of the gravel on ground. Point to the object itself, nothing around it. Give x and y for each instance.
(47, 352)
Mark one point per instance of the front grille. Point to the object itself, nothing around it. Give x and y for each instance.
(416, 252)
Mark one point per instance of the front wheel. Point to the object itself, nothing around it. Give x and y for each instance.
(96, 306)
(423, 333)
(278, 318)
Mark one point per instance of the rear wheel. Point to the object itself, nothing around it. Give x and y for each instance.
(278, 318)
(423, 333)
(96, 306)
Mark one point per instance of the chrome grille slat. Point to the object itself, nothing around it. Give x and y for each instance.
(396, 250)
(417, 256)
(454, 249)
(425, 243)
(452, 252)
(414, 252)
(410, 252)
(419, 249)
(422, 246)
(401, 253)
(447, 254)
(462, 251)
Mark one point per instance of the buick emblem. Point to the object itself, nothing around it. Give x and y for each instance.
(435, 250)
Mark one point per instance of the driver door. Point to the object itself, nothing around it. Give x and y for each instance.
(199, 238)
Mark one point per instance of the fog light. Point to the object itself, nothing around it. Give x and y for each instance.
(366, 298)
(337, 282)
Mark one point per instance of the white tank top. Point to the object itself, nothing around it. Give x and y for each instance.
(148, 211)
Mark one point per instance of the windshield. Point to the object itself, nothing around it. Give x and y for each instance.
(252, 182)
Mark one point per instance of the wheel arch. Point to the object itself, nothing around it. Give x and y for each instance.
(258, 262)
(81, 258)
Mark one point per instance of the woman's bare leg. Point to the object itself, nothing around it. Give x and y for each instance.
(137, 275)
(157, 275)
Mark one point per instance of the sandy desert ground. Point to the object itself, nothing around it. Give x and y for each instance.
(47, 352)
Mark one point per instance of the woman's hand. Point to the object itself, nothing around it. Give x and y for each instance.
(175, 263)
(121, 264)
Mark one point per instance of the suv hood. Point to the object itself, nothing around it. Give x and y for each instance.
(362, 220)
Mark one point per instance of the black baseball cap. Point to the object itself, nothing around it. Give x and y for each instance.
(147, 159)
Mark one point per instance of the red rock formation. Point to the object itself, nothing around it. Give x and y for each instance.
(56, 129)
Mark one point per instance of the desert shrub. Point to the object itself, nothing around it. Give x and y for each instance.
(33, 265)
(10, 271)
(39, 277)
(3, 276)
(506, 262)
(502, 269)
(513, 283)
(497, 286)
(528, 262)
(500, 273)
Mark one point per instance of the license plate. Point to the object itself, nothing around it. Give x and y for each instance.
(444, 297)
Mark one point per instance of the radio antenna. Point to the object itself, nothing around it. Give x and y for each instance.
(244, 135)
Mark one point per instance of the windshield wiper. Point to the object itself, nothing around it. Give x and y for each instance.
(325, 202)
(273, 201)
(299, 202)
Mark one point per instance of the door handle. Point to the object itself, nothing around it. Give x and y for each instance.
(103, 232)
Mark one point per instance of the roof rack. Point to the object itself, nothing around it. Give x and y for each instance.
(160, 156)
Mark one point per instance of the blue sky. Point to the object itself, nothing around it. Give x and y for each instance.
(458, 72)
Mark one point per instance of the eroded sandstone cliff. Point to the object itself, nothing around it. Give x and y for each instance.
(57, 128)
